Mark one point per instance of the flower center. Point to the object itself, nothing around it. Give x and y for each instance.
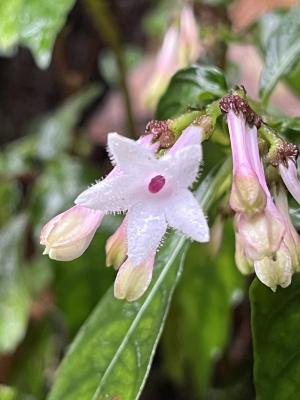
(156, 184)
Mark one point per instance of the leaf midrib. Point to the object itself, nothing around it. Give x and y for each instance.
(139, 315)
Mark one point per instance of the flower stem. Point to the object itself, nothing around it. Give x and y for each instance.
(177, 125)
(104, 21)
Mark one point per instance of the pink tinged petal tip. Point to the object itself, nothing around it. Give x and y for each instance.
(132, 281)
(68, 235)
(290, 179)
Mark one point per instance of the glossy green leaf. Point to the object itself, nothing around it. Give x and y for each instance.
(282, 51)
(32, 23)
(14, 294)
(111, 356)
(191, 87)
(203, 302)
(276, 340)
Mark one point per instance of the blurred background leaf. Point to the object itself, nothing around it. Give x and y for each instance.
(32, 23)
(282, 50)
(14, 295)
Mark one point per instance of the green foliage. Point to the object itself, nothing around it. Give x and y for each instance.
(34, 24)
(110, 356)
(202, 308)
(282, 51)
(48, 136)
(194, 86)
(39, 353)
(276, 332)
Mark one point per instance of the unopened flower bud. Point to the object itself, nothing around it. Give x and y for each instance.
(261, 233)
(189, 45)
(275, 270)
(244, 264)
(68, 235)
(116, 246)
(132, 281)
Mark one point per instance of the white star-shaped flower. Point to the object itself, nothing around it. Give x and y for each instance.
(154, 191)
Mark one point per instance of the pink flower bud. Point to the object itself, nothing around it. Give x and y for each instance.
(132, 281)
(290, 178)
(165, 66)
(68, 235)
(261, 233)
(116, 246)
(189, 44)
(247, 195)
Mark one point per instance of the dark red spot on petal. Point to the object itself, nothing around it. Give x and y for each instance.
(156, 184)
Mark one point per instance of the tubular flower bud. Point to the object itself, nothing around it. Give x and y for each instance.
(247, 195)
(68, 235)
(180, 47)
(189, 45)
(132, 281)
(116, 246)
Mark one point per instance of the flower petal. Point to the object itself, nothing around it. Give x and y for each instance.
(112, 194)
(183, 166)
(132, 281)
(275, 272)
(130, 155)
(184, 213)
(146, 227)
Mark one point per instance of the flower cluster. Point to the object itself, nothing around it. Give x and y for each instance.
(266, 240)
(154, 191)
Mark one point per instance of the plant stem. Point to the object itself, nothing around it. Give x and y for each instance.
(177, 125)
(104, 21)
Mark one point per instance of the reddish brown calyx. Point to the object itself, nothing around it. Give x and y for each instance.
(161, 132)
(284, 152)
(239, 105)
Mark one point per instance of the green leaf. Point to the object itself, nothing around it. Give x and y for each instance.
(112, 354)
(283, 50)
(191, 87)
(206, 316)
(32, 23)
(276, 340)
(14, 294)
